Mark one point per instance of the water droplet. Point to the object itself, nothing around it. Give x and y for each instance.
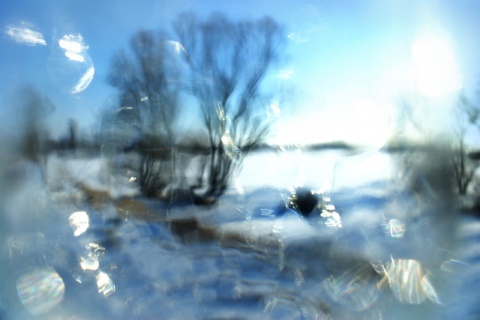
(40, 290)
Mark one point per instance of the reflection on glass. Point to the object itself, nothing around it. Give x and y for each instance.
(40, 290)
(232, 151)
(273, 110)
(105, 284)
(73, 46)
(91, 261)
(394, 228)
(23, 35)
(210, 129)
(330, 217)
(79, 221)
(453, 266)
(177, 46)
(84, 80)
(354, 288)
(70, 66)
(408, 281)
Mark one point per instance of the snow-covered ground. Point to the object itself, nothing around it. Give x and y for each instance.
(390, 253)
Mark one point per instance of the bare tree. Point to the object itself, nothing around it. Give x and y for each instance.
(148, 79)
(463, 166)
(228, 62)
(31, 114)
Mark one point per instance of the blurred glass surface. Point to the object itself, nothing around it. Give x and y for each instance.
(267, 160)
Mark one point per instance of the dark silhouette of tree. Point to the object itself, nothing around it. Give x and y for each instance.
(463, 166)
(228, 62)
(148, 79)
(31, 113)
(72, 134)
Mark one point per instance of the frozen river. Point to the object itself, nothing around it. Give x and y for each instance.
(376, 247)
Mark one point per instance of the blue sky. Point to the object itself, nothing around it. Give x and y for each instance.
(347, 62)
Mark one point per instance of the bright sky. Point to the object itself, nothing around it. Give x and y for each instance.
(348, 63)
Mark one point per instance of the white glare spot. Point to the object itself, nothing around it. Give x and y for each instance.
(285, 74)
(144, 98)
(429, 290)
(70, 66)
(79, 221)
(105, 285)
(123, 108)
(330, 207)
(394, 228)
(84, 81)
(273, 109)
(132, 179)
(220, 112)
(230, 148)
(177, 46)
(239, 188)
(25, 36)
(89, 263)
(408, 281)
(297, 37)
(72, 43)
(435, 66)
(331, 219)
(74, 56)
(40, 290)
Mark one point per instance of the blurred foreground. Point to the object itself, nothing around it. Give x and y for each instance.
(385, 241)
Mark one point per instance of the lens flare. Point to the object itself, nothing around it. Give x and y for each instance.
(408, 281)
(40, 290)
(394, 228)
(435, 66)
